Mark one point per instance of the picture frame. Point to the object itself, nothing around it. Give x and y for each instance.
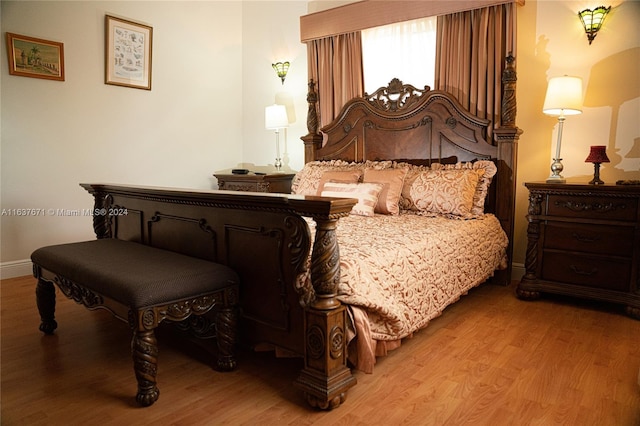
(35, 57)
(128, 53)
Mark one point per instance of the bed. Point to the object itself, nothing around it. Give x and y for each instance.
(300, 256)
(443, 221)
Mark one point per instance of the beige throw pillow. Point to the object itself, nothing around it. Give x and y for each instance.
(488, 170)
(445, 191)
(389, 197)
(347, 176)
(366, 193)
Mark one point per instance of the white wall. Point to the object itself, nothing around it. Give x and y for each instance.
(269, 35)
(209, 90)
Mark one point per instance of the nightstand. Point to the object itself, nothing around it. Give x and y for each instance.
(584, 241)
(270, 182)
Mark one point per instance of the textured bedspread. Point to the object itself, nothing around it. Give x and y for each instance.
(404, 270)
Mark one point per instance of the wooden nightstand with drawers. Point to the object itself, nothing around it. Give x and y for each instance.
(252, 182)
(584, 241)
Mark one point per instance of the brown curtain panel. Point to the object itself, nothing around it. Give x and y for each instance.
(470, 57)
(335, 64)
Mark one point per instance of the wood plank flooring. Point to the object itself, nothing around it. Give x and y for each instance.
(490, 359)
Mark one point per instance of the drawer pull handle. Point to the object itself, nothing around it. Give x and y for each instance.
(579, 271)
(580, 206)
(585, 238)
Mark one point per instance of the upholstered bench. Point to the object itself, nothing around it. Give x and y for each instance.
(143, 286)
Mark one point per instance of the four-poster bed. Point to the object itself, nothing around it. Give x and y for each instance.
(298, 265)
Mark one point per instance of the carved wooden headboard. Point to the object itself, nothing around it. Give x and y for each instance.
(401, 122)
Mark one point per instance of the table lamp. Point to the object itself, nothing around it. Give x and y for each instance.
(597, 155)
(564, 97)
(275, 118)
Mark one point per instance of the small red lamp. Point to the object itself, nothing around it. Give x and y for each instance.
(597, 155)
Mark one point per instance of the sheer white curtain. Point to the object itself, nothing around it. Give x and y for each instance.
(406, 50)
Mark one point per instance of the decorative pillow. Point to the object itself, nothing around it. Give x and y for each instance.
(366, 193)
(307, 180)
(482, 189)
(484, 182)
(390, 194)
(406, 203)
(445, 191)
(352, 176)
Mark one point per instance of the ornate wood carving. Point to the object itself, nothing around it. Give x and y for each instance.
(325, 264)
(533, 235)
(535, 203)
(102, 222)
(78, 293)
(192, 236)
(325, 378)
(299, 246)
(144, 351)
(199, 326)
(312, 111)
(226, 326)
(396, 96)
(46, 302)
(590, 206)
(509, 105)
(313, 139)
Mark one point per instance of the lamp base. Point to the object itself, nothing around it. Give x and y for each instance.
(556, 169)
(556, 180)
(596, 175)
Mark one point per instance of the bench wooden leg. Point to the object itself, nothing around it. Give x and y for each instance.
(144, 350)
(46, 301)
(226, 326)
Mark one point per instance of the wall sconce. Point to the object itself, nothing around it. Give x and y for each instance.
(275, 118)
(597, 155)
(281, 69)
(564, 97)
(592, 20)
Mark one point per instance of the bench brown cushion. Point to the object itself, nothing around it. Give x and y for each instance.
(134, 274)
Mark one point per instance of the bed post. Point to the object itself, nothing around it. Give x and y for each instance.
(313, 139)
(325, 377)
(507, 136)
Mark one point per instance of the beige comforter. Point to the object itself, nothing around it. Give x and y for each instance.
(399, 272)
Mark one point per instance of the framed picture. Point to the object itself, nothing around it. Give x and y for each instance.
(128, 53)
(35, 57)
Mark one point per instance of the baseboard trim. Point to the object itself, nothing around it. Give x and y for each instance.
(517, 271)
(16, 268)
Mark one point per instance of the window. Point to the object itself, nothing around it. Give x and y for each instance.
(406, 50)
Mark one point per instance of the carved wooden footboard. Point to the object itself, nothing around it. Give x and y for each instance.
(265, 238)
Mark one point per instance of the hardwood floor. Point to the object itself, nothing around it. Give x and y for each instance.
(490, 359)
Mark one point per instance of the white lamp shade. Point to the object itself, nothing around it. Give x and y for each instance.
(275, 117)
(564, 96)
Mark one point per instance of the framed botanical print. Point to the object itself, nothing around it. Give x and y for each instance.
(35, 57)
(128, 53)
